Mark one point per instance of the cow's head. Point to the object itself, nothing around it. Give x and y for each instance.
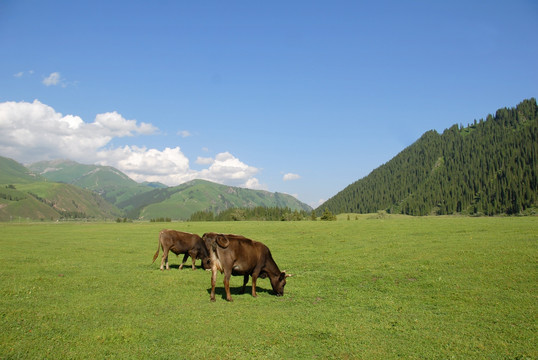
(206, 263)
(213, 239)
(278, 283)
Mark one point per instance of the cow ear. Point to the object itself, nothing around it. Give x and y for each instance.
(223, 241)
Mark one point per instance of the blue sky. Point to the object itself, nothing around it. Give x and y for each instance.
(301, 97)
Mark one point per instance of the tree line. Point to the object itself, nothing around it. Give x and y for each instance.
(488, 167)
(258, 213)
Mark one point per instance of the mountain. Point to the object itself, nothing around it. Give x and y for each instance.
(14, 173)
(180, 202)
(27, 196)
(110, 183)
(155, 200)
(489, 167)
(67, 189)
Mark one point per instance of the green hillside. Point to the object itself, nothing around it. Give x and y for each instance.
(12, 172)
(110, 183)
(182, 201)
(489, 167)
(52, 201)
(27, 196)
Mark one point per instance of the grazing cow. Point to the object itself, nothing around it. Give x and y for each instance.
(182, 243)
(237, 255)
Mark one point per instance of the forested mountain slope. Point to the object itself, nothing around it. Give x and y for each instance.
(488, 167)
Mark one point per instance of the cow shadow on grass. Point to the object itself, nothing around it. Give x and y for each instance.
(185, 267)
(234, 291)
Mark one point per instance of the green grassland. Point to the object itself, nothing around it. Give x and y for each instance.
(372, 287)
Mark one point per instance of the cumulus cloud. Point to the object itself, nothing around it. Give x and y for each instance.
(35, 131)
(291, 176)
(114, 124)
(254, 183)
(228, 169)
(169, 166)
(53, 79)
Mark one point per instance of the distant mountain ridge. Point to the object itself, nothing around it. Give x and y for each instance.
(180, 202)
(106, 181)
(55, 189)
(489, 167)
(156, 200)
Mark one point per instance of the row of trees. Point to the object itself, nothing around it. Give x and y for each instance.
(489, 167)
(259, 213)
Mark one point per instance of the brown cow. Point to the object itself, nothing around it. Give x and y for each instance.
(237, 255)
(182, 243)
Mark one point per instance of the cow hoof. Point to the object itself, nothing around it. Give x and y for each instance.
(212, 300)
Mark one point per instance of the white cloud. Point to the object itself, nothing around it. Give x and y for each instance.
(35, 131)
(254, 184)
(204, 160)
(169, 166)
(184, 133)
(22, 73)
(228, 169)
(291, 176)
(53, 79)
(114, 124)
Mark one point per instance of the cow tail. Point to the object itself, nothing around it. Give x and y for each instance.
(158, 248)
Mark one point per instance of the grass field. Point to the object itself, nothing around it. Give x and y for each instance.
(376, 287)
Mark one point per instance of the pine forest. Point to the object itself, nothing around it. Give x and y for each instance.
(486, 168)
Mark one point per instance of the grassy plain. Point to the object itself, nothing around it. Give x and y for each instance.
(375, 287)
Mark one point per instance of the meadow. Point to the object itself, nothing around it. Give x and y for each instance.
(371, 287)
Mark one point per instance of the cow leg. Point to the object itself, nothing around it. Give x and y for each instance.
(165, 259)
(245, 281)
(193, 255)
(254, 277)
(227, 286)
(184, 261)
(213, 282)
